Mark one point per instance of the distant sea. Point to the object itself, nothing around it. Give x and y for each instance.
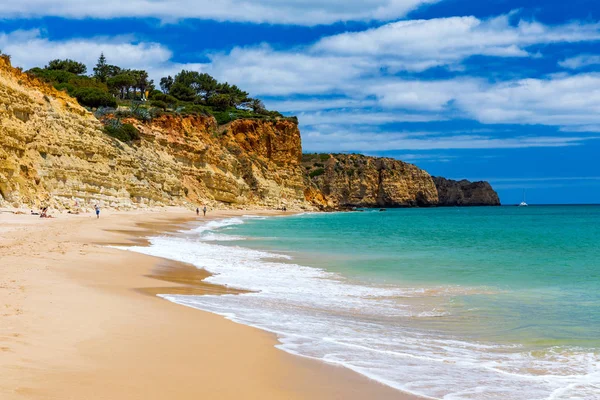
(450, 303)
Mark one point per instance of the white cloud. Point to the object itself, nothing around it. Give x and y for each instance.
(301, 12)
(582, 61)
(350, 63)
(363, 117)
(318, 104)
(545, 179)
(417, 45)
(433, 95)
(268, 72)
(334, 138)
(581, 128)
(559, 100)
(30, 49)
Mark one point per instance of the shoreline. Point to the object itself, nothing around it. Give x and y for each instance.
(81, 320)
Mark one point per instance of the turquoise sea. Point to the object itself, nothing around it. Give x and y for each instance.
(449, 303)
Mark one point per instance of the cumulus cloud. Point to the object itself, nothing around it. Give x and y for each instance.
(31, 49)
(300, 12)
(344, 63)
(557, 100)
(581, 61)
(417, 45)
(270, 72)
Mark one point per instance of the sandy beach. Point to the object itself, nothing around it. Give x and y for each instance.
(79, 320)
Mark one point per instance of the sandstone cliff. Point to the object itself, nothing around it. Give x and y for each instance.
(351, 180)
(465, 193)
(54, 152)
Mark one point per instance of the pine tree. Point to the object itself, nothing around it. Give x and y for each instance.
(102, 69)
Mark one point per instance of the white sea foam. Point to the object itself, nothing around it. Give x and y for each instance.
(216, 237)
(322, 315)
(215, 224)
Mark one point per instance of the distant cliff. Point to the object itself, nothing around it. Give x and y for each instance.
(465, 193)
(351, 180)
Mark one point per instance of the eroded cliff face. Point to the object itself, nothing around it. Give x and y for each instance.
(55, 153)
(465, 193)
(350, 180)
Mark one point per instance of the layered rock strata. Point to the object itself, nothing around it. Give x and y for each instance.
(54, 153)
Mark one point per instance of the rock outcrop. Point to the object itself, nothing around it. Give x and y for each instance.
(465, 193)
(54, 152)
(351, 180)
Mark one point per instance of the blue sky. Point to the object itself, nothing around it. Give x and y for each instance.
(502, 90)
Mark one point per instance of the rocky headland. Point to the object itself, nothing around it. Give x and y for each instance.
(352, 180)
(465, 193)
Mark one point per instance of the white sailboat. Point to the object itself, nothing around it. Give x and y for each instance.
(523, 203)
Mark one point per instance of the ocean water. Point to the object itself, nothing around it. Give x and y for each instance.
(450, 303)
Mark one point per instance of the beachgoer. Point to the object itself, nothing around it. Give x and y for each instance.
(97, 207)
(204, 210)
(197, 211)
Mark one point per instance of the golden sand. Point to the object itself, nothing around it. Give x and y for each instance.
(77, 321)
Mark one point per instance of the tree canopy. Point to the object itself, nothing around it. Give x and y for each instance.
(186, 92)
(68, 65)
(102, 69)
(201, 88)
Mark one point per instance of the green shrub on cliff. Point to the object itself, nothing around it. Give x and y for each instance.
(166, 98)
(159, 104)
(68, 65)
(94, 97)
(194, 109)
(224, 117)
(124, 132)
(317, 172)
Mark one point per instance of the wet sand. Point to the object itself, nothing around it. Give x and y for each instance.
(79, 320)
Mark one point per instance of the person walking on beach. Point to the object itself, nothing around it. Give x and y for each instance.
(204, 210)
(197, 212)
(97, 207)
